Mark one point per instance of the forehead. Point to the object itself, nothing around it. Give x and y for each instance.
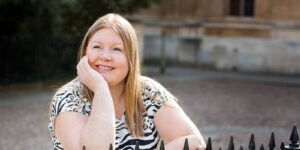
(106, 35)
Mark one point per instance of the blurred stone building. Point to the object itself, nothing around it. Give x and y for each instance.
(246, 35)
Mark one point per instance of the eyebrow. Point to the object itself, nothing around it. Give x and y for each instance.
(102, 43)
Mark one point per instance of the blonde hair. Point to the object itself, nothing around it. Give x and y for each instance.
(134, 107)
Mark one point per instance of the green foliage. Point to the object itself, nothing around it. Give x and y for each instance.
(23, 17)
(87, 12)
(37, 58)
(39, 39)
(51, 18)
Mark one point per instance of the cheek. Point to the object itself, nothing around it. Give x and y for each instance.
(125, 64)
(122, 64)
(91, 56)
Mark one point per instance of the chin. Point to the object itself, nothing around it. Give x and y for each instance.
(112, 80)
(105, 78)
(108, 80)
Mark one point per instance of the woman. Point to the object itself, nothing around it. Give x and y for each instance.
(110, 102)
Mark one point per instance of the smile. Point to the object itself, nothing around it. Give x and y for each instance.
(104, 68)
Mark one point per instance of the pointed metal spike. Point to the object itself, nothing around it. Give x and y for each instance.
(241, 148)
(231, 144)
(282, 146)
(252, 143)
(186, 144)
(110, 147)
(83, 147)
(208, 145)
(162, 145)
(261, 147)
(294, 136)
(252, 136)
(137, 146)
(272, 142)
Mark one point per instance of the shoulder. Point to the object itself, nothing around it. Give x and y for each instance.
(70, 97)
(72, 89)
(149, 82)
(155, 90)
(74, 85)
(154, 95)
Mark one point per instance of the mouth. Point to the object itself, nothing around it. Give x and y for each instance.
(104, 68)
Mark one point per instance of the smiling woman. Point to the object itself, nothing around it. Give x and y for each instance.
(110, 102)
(107, 56)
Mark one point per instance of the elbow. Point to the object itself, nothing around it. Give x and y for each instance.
(88, 142)
(92, 142)
(196, 142)
(83, 141)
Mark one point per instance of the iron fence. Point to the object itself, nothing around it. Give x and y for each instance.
(293, 145)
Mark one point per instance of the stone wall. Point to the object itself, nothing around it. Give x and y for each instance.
(201, 32)
(251, 54)
(286, 11)
(191, 46)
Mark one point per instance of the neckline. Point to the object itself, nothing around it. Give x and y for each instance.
(122, 117)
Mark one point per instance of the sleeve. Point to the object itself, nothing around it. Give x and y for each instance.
(155, 95)
(163, 95)
(67, 100)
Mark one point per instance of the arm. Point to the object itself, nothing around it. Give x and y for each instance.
(97, 131)
(174, 126)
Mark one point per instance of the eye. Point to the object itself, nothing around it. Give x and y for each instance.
(117, 49)
(97, 47)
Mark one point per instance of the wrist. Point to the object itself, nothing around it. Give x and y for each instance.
(102, 86)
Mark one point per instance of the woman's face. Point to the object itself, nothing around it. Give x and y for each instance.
(106, 54)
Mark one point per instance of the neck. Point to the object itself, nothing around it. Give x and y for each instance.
(118, 93)
(118, 96)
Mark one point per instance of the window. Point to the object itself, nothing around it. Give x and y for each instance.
(234, 7)
(242, 8)
(249, 8)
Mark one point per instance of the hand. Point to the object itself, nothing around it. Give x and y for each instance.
(91, 78)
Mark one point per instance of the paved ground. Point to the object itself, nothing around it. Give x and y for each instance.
(220, 103)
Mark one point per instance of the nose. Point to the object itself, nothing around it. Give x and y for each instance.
(106, 55)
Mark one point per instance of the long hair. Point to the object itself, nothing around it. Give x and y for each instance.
(134, 107)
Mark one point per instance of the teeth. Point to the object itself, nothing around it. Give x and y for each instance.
(105, 68)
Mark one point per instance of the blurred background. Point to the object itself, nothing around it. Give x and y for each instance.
(240, 60)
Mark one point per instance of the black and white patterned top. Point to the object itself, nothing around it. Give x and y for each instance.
(72, 98)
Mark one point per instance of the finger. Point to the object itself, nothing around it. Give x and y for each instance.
(86, 63)
(80, 73)
(78, 68)
(81, 70)
(82, 64)
(86, 69)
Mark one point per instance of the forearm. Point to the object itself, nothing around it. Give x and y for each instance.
(195, 141)
(99, 130)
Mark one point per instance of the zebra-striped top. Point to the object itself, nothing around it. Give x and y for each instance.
(72, 98)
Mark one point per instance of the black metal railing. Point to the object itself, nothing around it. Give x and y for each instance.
(294, 143)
